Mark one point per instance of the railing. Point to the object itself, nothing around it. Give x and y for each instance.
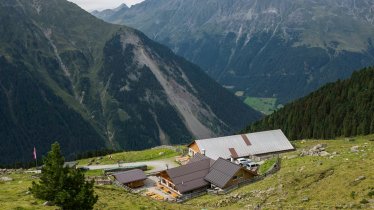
(118, 184)
(100, 180)
(189, 196)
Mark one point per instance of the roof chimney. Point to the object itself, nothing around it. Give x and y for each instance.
(203, 151)
(231, 159)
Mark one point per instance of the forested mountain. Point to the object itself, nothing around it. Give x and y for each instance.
(66, 76)
(269, 48)
(343, 108)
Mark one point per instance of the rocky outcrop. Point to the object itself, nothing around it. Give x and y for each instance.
(317, 150)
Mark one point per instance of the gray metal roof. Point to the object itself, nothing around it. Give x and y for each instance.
(71, 164)
(191, 176)
(259, 143)
(130, 176)
(221, 172)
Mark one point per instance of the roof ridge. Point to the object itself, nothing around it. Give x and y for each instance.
(191, 173)
(222, 137)
(239, 167)
(202, 169)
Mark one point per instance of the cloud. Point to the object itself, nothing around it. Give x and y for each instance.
(90, 5)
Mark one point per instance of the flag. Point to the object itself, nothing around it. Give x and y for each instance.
(34, 153)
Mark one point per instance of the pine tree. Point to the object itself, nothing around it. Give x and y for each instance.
(66, 187)
(77, 193)
(52, 177)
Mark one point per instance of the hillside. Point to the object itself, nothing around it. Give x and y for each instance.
(281, 49)
(343, 179)
(67, 76)
(343, 108)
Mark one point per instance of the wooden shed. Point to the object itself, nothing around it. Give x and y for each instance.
(133, 178)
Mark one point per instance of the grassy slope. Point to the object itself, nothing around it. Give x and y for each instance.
(13, 196)
(134, 156)
(327, 182)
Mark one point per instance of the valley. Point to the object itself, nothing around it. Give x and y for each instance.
(270, 49)
(187, 104)
(342, 108)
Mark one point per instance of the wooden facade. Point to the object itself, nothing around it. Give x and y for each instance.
(135, 184)
(167, 185)
(193, 149)
(240, 176)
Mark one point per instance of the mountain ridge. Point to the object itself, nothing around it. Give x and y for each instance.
(92, 85)
(283, 49)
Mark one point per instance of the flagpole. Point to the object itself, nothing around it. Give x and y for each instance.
(36, 159)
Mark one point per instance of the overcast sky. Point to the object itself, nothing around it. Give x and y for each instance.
(91, 5)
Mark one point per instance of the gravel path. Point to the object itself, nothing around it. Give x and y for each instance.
(157, 165)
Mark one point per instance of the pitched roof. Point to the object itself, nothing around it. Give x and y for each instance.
(245, 144)
(221, 172)
(190, 176)
(130, 176)
(198, 157)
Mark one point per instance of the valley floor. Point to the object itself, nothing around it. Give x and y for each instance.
(343, 179)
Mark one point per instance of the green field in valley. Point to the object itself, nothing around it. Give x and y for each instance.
(343, 179)
(263, 105)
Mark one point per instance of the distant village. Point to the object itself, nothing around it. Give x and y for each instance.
(215, 165)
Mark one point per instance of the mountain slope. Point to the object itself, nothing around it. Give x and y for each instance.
(272, 48)
(343, 108)
(66, 76)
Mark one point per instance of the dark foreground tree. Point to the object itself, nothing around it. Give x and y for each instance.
(65, 187)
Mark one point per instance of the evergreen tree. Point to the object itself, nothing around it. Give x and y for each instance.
(66, 187)
(52, 177)
(343, 108)
(76, 193)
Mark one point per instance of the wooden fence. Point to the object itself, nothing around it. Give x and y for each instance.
(190, 196)
(118, 184)
(100, 180)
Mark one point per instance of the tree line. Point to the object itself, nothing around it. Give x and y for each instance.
(343, 108)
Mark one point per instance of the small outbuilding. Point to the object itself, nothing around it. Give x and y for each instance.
(72, 164)
(133, 178)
